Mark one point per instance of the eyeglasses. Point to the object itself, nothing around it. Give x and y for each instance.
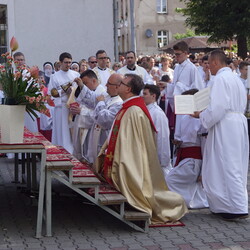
(102, 58)
(112, 84)
(124, 84)
(93, 62)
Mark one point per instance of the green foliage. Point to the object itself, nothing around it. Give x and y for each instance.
(223, 19)
(189, 33)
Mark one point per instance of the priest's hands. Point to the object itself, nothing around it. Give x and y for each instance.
(100, 98)
(196, 114)
(79, 82)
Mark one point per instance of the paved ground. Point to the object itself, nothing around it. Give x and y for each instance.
(79, 225)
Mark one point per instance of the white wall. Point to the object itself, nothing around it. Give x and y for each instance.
(46, 28)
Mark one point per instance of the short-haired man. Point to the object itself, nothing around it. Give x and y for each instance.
(133, 68)
(131, 163)
(19, 59)
(243, 66)
(102, 71)
(205, 73)
(151, 94)
(92, 62)
(84, 115)
(226, 154)
(61, 127)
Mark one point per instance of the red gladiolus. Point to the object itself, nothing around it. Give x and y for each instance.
(13, 44)
(34, 71)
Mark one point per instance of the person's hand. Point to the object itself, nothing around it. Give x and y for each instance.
(248, 97)
(196, 114)
(100, 98)
(79, 82)
(75, 108)
(177, 143)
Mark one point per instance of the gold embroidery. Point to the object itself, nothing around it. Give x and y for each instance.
(110, 156)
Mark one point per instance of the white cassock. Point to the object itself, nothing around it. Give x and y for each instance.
(186, 76)
(103, 75)
(162, 137)
(225, 162)
(45, 121)
(103, 116)
(83, 122)
(182, 179)
(61, 127)
(140, 71)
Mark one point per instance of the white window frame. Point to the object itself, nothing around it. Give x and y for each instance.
(164, 34)
(161, 6)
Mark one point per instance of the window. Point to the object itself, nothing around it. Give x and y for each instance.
(161, 6)
(3, 30)
(162, 38)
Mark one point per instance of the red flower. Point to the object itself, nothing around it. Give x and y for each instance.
(34, 71)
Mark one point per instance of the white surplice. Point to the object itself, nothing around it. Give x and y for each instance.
(103, 75)
(162, 137)
(225, 162)
(186, 76)
(105, 113)
(61, 127)
(83, 122)
(140, 71)
(182, 179)
(103, 116)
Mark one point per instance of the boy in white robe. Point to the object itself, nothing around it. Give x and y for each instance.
(151, 94)
(61, 126)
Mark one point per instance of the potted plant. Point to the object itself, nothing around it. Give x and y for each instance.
(21, 91)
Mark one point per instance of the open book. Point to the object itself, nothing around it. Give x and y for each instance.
(188, 104)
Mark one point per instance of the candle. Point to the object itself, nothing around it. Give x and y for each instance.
(248, 76)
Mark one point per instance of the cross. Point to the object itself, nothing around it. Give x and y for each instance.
(110, 156)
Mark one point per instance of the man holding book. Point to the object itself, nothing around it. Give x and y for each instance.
(225, 161)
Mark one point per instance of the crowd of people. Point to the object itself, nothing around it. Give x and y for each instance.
(121, 119)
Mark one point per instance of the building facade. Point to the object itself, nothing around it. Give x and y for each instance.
(46, 28)
(155, 22)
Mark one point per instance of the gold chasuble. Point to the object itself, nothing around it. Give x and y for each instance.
(132, 166)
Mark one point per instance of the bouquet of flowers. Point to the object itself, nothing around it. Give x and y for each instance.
(20, 86)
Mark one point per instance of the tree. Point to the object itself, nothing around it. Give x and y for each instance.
(223, 20)
(188, 33)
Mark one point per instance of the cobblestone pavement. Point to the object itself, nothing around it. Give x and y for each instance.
(80, 225)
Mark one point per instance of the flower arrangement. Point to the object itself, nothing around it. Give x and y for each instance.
(21, 87)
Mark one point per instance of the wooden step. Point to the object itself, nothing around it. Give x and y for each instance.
(85, 181)
(111, 199)
(135, 216)
(59, 165)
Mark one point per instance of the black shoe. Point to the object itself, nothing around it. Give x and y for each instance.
(229, 217)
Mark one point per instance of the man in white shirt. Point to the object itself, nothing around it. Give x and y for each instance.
(226, 154)
(151, 94)
(103, 73)
(61, 127)
(133, 68)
